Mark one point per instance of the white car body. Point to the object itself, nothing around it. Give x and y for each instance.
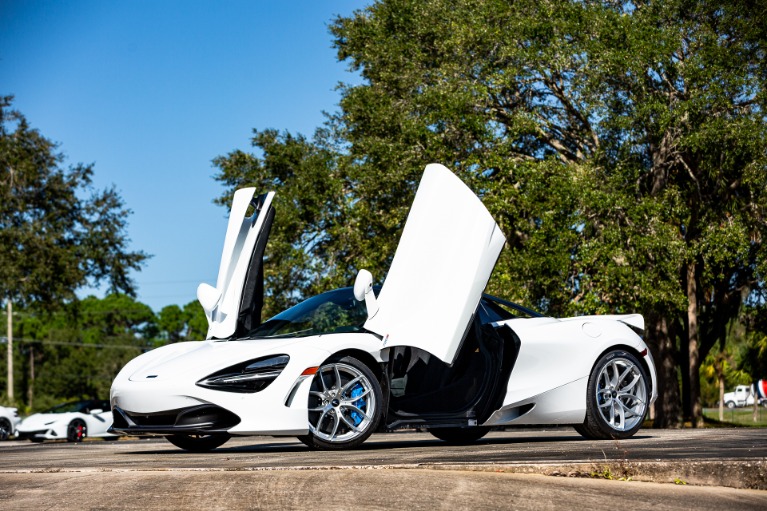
(9, 420)
(429, 320)
(93, 417)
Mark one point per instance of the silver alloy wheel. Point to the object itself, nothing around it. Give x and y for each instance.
(342, 404)
(621, 394)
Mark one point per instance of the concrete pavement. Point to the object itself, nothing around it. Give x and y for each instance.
(701, 469)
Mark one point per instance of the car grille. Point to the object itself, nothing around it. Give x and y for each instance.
(203, 418)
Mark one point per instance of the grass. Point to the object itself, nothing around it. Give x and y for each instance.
(736, 417)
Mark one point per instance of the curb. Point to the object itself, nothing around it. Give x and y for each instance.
(746, 474)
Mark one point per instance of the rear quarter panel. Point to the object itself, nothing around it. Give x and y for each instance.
(556, 352)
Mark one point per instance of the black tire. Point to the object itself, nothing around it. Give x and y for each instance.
(77, 431)
(616, 398)
(198, 443)
(730, 404)
(338, 418)
(460, 436)
(6, 430)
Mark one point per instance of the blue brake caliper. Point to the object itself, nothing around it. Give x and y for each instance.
(358, 390)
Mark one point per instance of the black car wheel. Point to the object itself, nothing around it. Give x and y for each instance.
(5, 429)
(459, 436)
(617, 397)
(198, 443)
(345, 404)
(77, 431)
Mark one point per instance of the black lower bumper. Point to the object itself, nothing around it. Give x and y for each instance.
(31, 435)
(202, 419)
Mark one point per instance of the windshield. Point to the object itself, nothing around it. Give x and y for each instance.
(331, 312)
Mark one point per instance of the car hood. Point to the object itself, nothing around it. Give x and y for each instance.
(200, 359)
(41, 420)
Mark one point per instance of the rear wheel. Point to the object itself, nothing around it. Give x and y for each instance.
(77, 431)
(459, 436)
(198, 443)
(5, 429)
(617, 397)
(344, 405)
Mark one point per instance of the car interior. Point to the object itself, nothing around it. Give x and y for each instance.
(424, 389)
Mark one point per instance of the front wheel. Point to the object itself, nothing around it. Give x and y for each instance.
(345, 404)
(77, 431)
(198, 443)
(617, 397)
(730, 404)
(460, 436)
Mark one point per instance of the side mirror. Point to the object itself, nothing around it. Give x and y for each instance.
(209, 297)
(96, 411)
(363, 290)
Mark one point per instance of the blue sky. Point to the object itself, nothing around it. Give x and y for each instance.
(151, 91)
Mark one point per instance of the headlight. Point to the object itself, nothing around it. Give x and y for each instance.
(251, 376)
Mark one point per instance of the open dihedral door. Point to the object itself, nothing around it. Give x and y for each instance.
(234, 305)
(444, 259)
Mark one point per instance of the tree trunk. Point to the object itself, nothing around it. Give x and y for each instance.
(31, 383)
(684, 368)
(721, 395)
(9, 306)
(661, 343)
(693, 341)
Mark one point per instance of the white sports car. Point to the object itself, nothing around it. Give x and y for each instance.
(9, 419)
(425, 350)
(72, 422)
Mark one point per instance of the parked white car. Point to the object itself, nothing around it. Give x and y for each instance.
(9, 419)
(72, 422)
(426, 350)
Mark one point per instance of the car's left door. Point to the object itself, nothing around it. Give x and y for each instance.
(447, 251)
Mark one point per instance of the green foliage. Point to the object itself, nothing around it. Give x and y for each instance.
(172, 321)
(310, 211)
(753, 349)
(76, 350)
(57, 232)
(196, 322)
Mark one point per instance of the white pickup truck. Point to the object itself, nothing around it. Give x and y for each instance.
(743, 395)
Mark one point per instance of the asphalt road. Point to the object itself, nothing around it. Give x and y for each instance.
(662, 469)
